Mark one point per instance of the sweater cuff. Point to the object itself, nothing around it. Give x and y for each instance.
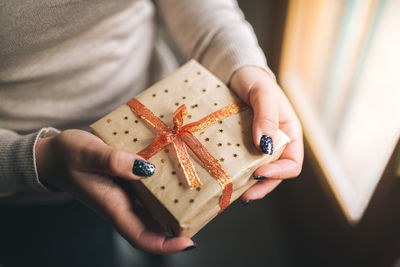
(234, 57)
(43, 133)
(18, 170)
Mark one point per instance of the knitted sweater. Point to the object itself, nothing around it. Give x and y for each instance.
(66, 63)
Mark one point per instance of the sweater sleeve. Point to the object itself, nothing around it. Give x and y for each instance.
(214, 33)
(17, 161)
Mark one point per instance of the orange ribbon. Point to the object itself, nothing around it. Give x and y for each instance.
(181, 136)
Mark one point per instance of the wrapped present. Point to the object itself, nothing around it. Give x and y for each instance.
(199, 136)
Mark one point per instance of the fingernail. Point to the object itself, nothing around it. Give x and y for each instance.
(191, 247)
(143, 168)
(266, 144)
(247, 202)
(259, 178)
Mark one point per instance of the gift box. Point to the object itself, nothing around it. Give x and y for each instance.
(203, 151)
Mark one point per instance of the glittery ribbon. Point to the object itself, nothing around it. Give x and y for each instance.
(181, 136)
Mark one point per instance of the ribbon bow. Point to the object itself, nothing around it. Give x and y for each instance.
(181, 136)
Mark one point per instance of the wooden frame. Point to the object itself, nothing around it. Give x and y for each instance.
(308, 46)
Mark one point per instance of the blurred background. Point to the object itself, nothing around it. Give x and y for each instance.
(337, 61)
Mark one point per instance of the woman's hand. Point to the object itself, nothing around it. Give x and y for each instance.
(81, 164)
(272, 110)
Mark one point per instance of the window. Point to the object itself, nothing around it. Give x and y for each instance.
(340, 69)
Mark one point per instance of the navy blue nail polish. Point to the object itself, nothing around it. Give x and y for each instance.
(266, 144)
(259, 178)
(247, 202)
(143, 168)
(191, 247)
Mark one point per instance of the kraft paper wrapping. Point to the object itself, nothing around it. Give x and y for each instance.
(165, 194)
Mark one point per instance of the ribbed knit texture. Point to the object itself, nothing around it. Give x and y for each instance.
(66, 63)
(215, 33)
(17, 168)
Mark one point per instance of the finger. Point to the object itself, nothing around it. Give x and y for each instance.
(266, 117)
(290, 163)
(117, 162)
(281, 169)
(111, 201)
(290, 125)
(288, 166)
(260, 190)
(134, 230)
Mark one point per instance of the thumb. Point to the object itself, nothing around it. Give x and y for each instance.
(117, 162)
(266, 118)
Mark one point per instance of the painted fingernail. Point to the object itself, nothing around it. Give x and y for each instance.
(266, 144)
(191, 247)
(247, 202)
(143, 168)
(259, 178)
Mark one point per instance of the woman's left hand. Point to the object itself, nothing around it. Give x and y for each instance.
(272, 111)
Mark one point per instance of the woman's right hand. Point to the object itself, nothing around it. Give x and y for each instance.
(82, 165)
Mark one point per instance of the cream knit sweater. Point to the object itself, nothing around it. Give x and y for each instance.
(66, 63)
